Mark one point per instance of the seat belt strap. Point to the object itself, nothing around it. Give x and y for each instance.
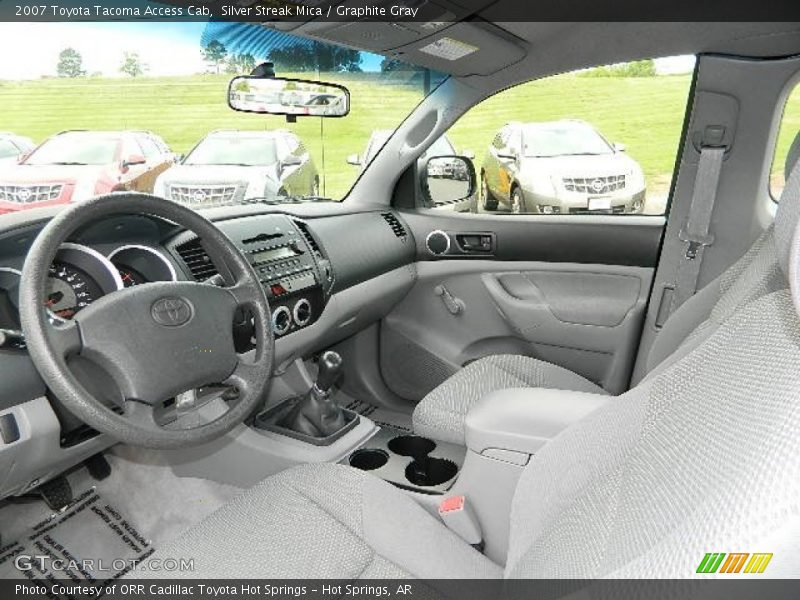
(696, 232)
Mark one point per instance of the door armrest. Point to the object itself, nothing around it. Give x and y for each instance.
(522, 420)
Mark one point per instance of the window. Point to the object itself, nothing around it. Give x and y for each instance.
(789, 130)
(149, 147)
(597, 141)
(76, 149)
(183, 98)
(7, 149)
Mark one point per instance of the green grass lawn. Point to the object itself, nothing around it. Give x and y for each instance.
(645, 114)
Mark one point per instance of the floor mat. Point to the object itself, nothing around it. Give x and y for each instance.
(381, 416)
(90, 540)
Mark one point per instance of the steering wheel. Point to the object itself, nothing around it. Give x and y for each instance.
(155, 340)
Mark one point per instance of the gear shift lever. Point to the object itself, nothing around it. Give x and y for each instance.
(330, 368)
(317, 415)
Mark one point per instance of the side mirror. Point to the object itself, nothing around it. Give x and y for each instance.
(354, 159)
(21, 157)
(620, 147)
(290, 97)
(132, 160)
(448, 179)
(507, 155)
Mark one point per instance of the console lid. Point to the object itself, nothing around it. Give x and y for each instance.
(522, 420)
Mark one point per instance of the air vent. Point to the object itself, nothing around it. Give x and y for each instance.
(395, 224)
(312, 243)
(197, 259)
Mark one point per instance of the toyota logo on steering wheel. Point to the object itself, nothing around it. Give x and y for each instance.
(171, 311)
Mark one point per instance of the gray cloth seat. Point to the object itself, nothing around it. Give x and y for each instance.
(441, 414)
(702, 457)
(327, 521)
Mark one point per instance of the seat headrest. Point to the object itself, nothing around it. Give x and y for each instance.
(788, 214)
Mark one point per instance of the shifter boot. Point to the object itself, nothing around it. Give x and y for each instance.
(317, 414)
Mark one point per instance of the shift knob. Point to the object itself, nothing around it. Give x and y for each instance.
(330, 367)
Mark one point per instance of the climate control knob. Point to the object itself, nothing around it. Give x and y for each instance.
(302, 312)
(281, 320)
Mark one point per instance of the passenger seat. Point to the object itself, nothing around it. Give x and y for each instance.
(440, 415)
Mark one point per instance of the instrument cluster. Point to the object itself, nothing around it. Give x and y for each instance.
(79, 276)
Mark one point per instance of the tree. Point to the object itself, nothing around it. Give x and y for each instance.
(392, 64)
(313, 57)
(132, 65)
(637, 68)
(70, 63)
(215, 53)
(239, 64)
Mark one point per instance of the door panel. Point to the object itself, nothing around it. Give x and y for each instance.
(551, 290)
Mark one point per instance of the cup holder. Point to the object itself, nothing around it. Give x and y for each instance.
(411, 445)
(368, 459)
(431, 471)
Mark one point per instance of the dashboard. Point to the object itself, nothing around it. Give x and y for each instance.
(326, 277)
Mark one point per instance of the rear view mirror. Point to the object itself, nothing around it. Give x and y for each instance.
(448, 179)
(291, 97)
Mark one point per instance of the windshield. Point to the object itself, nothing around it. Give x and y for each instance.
(246, 152)
(75, 150)
(7, 149)
(563, 140)
(170, 80)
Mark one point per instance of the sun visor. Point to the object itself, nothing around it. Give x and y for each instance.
(470, 48)
(466, 48)
(395, 27)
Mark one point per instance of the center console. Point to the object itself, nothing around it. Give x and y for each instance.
(409, 461)
(290, 263)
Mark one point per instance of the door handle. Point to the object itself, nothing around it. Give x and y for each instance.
(476, 243)
(453, 305)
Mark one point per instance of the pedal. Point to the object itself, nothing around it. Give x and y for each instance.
(56, 493)
(98, 467)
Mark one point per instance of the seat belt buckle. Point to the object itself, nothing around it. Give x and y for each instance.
(694, 243)
(461, 520)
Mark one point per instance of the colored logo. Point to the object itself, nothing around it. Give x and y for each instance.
(734, 562)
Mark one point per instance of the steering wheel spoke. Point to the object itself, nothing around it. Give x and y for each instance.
(140, 414)
(244, 295)
(243, 375)
(66, 338)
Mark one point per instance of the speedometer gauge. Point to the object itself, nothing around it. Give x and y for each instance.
(130, 277)
(69, 289)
